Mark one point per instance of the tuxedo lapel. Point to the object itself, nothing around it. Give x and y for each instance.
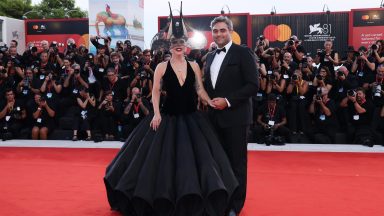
(207, 72)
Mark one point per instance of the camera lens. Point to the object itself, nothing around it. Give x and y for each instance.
(319, 77)
(295, 77)
(340, 73)
(351, 93)
(291, 42)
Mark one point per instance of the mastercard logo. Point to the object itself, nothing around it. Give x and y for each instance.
(35, 27)
(280, 32)
(365, 17)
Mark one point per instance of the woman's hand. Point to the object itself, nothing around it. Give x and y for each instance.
(155, 123)
(211, 104)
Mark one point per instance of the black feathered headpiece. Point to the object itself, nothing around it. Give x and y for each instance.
(177, 27)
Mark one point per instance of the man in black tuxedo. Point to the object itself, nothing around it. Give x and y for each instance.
(231, 79)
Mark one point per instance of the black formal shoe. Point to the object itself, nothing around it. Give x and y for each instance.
(232, 213)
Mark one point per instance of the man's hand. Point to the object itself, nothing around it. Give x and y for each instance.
(352, 98)
(219, 103)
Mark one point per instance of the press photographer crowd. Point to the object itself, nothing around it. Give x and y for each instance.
(324, 97)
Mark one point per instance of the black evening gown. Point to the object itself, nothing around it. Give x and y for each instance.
(181, 169)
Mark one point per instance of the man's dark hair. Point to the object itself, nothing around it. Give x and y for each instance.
(223, 19)
(15, 41)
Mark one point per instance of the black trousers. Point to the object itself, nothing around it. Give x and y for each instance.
(234, 142)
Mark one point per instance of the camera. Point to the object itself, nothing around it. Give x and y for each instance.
(77, 71)
(138, 96)
(42, 98)
(320, 52)
(374, 47)
(378, 91)
(26, 81)
(33, 49)
(3, 47)
(271, 77)
(319, 77)
(15, 61)
(295, 77)
(340, 73)
(361, 53)
(53, 44)
(291, 42)
(318, 94)
(71, 46)
(351, 93)
(134, 59)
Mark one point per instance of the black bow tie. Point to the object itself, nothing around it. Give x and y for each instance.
(219, 50)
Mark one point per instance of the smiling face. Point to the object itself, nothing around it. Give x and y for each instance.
(177, 46)
(221, 34)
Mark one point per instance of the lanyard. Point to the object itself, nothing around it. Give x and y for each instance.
(272, 111)
(136, 108)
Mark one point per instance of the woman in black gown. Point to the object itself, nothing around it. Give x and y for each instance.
(172, 163)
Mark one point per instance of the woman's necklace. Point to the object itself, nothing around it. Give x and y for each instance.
(180, 72)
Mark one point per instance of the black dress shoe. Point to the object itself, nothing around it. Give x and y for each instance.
(232, 213)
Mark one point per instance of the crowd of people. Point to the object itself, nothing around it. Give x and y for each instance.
(109, 93)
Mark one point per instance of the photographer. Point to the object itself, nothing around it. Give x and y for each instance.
(120, 69)
(90, 73)
(44, 45)
(325, 122)
(149, 67)
(262, 44)
(375, 89)
(113, 84)
(297, 112)
(328, 57)
(16, 65)
(108, 115)
(307, 69)
(12, 115)
(323, 78)
(51, 87)
(101, 60)
(348, 60)
(276, 85)
(377, 51)
(364, 66)
(43, 114)
(26, 88)
(360, 113)
(55, 57)
(143, 81)
(5, 81)
(135, 110)
(72, 83)
(30, 55)
(85, 116)
(294, 47)
(272, 58)
(106, 43)
(271, 121)
(287, 66)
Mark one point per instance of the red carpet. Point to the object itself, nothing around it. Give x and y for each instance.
(56, 181)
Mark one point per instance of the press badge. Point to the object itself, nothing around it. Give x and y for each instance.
(7, 118)
(25, 92)
(136, 115)
(75, 91)
(356, 117)
(101, 70)
(18, 108)
(341, 89)
(322, 117)
(302, 97)
(269, 72)
(259, 95)
(39, 120)
(42, 77)
(310, 83)
(49, 95)
(360, 74)
(272, 123)
(285, 76)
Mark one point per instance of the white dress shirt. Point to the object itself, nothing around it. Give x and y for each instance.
(216, 64)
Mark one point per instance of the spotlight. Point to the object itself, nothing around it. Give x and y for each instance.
(326, 11)
(222, 12)
(273, 10)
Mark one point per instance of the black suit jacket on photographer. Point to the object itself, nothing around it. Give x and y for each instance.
(339, 91)
(237, 81)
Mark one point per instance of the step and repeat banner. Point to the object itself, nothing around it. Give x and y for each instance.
(118, 19)
(367, 26)
(59, 30)
(312, 29)
(200, 32)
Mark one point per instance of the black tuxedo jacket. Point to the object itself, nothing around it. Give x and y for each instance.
(237, 81)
